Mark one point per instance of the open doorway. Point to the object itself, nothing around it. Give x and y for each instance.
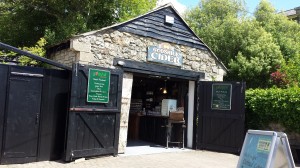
(153, 97)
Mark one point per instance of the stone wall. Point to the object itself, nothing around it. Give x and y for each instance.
(100, 48)
(66, 57)
(126, 99)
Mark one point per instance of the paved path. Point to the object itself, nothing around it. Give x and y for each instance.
(186, 159)
(190, 159)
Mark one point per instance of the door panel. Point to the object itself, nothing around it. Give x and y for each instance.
(22, 122)
(33, 108)
(221, 129)
(3, 91)
(93, 128)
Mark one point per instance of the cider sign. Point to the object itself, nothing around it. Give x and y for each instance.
(165, 54)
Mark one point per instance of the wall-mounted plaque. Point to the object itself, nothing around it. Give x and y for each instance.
(98, 86)
(221, 96)
(164, 54)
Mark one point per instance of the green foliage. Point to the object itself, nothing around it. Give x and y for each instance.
(249, 51)
(292, 70)
(251, 47)
(56, 20)
(265, 106)
(19, 26)
(132, 8)
(257, 58)
(37, 49)
(6, 56)
(287, 36)
(216, 22)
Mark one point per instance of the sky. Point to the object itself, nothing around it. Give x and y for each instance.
(280, 5)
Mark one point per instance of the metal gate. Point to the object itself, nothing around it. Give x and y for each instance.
(221, 116)
(93, 126)
(33, 105)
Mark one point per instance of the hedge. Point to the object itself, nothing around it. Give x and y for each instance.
(265, 106)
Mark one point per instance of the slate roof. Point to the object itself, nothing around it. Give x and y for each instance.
(152, 25)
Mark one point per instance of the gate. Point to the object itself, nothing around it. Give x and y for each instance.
(33, 109)
(94, 115)
(221, 116)
(33, 105)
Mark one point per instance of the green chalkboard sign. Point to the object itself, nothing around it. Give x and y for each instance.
(98, 86)
(221, 96)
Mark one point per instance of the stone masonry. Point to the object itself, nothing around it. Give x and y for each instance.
(99, 48)
(67, 57)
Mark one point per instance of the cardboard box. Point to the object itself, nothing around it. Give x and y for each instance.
(177, 116)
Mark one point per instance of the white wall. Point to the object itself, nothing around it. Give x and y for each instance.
(190, 119)
(125, 106)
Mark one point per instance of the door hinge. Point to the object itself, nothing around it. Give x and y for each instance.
(37, 118)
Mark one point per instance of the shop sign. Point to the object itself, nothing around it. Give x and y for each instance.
(165, 54)
(221, 96)
(98, 86)
(265, 149)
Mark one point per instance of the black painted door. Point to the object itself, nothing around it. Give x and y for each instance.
(221, 116)
(20, 143)
(93, 127)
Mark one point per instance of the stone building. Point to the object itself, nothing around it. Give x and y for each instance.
(158, 47)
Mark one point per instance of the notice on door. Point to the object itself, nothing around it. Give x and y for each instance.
(98, 86)
(221, 96)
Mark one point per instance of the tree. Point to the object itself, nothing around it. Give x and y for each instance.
(250, 52)
(19, 26)
(287, 36)
(132, 8)
(56, 20)
(37, 49)
(257, 58)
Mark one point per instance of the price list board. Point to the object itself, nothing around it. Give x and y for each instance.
(98, 86)
(221, 96)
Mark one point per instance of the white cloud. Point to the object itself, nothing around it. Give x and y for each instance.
(178, 6)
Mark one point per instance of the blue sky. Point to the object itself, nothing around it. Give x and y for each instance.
(251, 4)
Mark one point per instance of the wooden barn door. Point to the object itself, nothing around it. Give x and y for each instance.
(21, 128)
(94, 115)
(221, 116)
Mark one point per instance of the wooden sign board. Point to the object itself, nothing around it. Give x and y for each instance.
(266, 149)
(221, 96)
(98, 86)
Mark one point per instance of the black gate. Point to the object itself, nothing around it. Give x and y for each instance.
(33, 108)
(93, 128)
(221, 116)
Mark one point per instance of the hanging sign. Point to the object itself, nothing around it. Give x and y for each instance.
(165, 54)
(221, 96)
(265, 149)
(98, 86)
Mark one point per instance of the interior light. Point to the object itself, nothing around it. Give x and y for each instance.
(165, 89)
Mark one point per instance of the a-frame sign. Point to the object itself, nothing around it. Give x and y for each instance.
(266, 149)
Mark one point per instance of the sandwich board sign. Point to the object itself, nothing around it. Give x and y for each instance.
(266, 149)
